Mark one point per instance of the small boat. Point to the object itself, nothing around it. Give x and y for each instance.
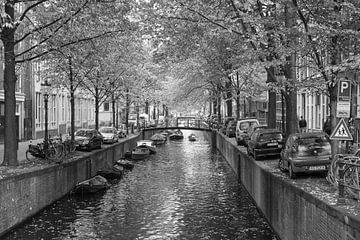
(140, 152)
(128, 154)
(115, 172)
(159, 138)
(92, 185)
(176, 135)
(192, 137)
(147, 143)
(125, 163)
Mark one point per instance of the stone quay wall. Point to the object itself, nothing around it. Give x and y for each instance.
(293, 213)
(24, 194)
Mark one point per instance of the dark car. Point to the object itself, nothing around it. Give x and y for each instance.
(265, 142)
(306, 153)
(88, 139)
(250, 131)
(225, 124)
(231, 129)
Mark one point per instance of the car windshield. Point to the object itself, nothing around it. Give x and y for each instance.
(246, 125)
(83, 133)
(270, 136)
(106, 130)
(315, 145)
(320, 140)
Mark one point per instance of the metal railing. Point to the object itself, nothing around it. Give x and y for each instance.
(344, 173)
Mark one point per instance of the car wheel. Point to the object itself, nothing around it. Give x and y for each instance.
(292, 175)
(282, 169)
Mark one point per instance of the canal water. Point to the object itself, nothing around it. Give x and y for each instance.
(185, 191)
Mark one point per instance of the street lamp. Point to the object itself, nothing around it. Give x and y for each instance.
(45, 89)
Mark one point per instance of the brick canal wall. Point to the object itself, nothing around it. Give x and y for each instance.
(25, 194)
(293, 213)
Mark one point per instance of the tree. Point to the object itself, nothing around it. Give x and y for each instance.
(32, 30)
(329, 37)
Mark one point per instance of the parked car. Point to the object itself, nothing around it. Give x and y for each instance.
(251, 130)
(265, 142)
(306, 153)
(231, 129)
(226, 121)
(242, 127)
(88, 139)
(110, 134)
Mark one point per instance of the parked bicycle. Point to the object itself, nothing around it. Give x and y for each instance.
(69, 145)
(53, 152)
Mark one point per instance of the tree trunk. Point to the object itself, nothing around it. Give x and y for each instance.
(238, 105)
(290, 73)
(11, 131)
(113, 111)
(333, 119)
(127, 108)
(97, 103)
(291, 114)
(229, 101)
(72, 101)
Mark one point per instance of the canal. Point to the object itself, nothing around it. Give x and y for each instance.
(185, 191)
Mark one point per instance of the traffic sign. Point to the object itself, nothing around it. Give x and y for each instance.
(341, 131)
(344, 90)
(343, 109)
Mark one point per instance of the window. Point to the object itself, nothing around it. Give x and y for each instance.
(106, 107)
(53, 109)
(38, 108)
(62, 108)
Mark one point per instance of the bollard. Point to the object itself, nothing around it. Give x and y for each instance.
(341, 197)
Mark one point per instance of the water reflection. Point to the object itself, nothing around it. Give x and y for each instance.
(185, 191)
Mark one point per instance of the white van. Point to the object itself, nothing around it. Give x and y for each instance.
(242, 127)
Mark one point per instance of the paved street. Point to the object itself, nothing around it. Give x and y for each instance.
(23, 146)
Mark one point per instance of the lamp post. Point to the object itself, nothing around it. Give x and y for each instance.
(45, 87)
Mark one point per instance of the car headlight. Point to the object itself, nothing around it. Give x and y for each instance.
(85, 141)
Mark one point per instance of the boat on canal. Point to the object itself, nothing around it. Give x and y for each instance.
(115, 172)
(148, 144)
(140, 152)
(92, 185)
(159, 138)
(192, 137)
(177, 135)
(125, 163)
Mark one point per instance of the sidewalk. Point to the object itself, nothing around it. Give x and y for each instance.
(23, 146)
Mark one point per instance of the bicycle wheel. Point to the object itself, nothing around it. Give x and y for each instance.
(54, 152)
(72, 146)
(29, 156)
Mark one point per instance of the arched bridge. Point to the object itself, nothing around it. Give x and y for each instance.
(174, 128)
(182, 123)
(147, 132)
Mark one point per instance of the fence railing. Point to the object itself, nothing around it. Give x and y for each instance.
(344, 173)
